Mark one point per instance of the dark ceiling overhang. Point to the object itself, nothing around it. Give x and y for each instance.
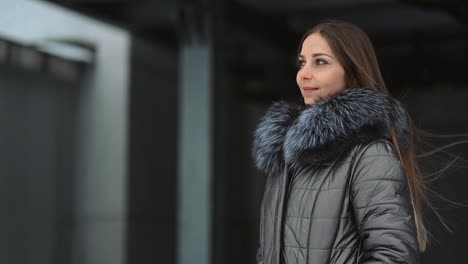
(260, 36)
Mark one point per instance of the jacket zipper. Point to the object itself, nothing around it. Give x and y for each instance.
(289, 178)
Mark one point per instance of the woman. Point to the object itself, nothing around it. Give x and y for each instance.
(343, 185)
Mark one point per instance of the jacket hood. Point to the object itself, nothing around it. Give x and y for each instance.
(291, 134)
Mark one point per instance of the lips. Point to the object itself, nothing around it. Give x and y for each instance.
(309, 89)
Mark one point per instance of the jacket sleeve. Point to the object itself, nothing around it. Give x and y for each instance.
(382, 207)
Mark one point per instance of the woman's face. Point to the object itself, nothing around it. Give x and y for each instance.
(320, 74)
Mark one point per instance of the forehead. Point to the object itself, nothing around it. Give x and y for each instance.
(315, 43)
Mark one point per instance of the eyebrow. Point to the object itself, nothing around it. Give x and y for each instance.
(317, 54)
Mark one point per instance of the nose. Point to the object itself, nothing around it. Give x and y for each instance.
(304, 73)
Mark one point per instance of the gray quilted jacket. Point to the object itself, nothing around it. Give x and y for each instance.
(336, 191)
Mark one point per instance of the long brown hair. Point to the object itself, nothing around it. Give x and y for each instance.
(355, 52)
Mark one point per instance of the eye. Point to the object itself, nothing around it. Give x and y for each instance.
(301, 63)
(320, 62)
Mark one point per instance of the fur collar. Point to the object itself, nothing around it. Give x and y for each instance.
(291, 134)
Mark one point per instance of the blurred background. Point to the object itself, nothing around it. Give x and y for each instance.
(127, 125)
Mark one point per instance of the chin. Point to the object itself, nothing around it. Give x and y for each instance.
(309, 101)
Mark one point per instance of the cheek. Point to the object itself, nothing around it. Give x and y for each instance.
(342, 80)
(338, 81)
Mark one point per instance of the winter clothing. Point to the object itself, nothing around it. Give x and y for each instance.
(336, 191)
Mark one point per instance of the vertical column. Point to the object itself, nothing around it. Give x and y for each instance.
(195, 159)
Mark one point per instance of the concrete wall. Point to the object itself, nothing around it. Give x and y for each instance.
(88, 204)
(28, 170)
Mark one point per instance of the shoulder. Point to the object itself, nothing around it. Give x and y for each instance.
(377, 160)
(381, 148)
